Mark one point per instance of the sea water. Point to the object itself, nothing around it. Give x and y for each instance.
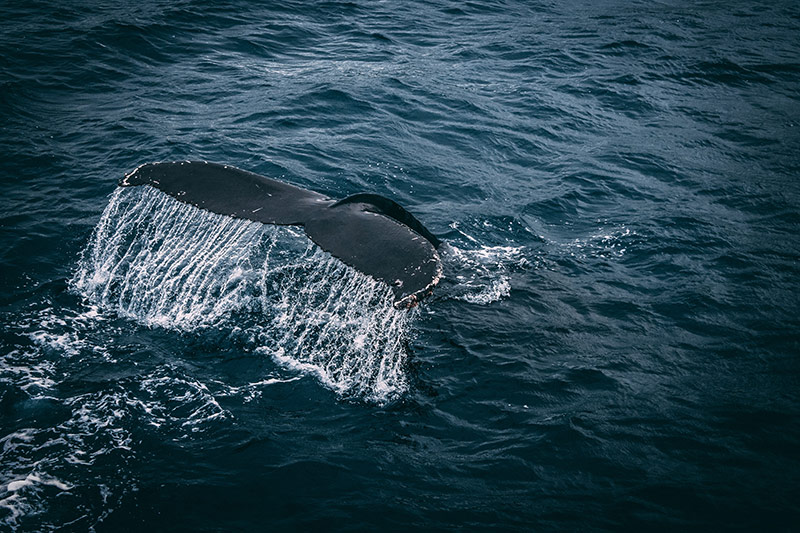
(614, 343)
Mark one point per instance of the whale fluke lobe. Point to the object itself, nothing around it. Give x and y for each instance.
(366, 231)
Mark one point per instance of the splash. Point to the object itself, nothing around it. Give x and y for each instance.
(164, 263)
(157, 261)
(480, 273)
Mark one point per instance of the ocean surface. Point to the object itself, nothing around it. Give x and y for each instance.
(614, 344)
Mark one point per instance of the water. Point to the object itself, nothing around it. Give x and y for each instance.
(614, 343)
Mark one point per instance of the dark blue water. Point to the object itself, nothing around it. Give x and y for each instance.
(614, 345)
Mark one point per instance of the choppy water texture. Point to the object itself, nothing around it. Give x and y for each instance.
(614, 344)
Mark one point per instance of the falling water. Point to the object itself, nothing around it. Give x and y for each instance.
(167, 264)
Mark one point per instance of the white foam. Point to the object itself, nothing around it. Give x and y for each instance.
(172, 399)
(33, 479)
(479, 274)
(22, 497)
(253, 390)
(29, 372)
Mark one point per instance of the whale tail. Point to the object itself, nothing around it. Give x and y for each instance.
(368, 232)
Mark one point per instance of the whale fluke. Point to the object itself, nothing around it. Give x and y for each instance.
(368, 232)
